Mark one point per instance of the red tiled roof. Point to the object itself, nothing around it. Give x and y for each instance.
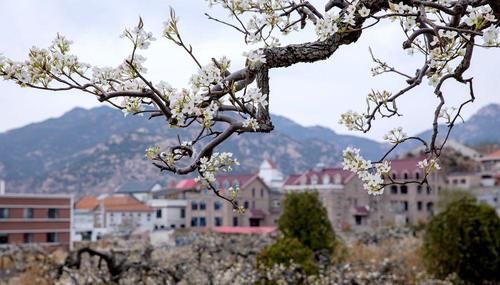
(113, 203)
(493, 155)
(245, 230)
(86, 203)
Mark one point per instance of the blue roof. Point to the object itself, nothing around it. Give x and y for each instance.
(136, 187)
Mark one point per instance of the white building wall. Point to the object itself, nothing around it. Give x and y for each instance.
(173, 213)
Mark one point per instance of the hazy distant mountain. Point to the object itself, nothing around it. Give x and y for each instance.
(96, 150)
(480, 129)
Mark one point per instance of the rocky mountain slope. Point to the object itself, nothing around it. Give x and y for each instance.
(93, 151)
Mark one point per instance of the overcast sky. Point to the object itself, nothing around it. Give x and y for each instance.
(311, 94)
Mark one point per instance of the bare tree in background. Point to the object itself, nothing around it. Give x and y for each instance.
(223, 101)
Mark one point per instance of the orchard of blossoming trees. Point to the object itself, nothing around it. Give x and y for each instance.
(222, 101)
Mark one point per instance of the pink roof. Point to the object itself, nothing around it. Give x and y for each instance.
(406, 164)
(244, 230)
(257, 213)
(242, 179)
(320, 174)
(186, 184)
(363, 210)
(290, 180)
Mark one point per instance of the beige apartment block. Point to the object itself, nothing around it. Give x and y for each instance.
(205, 210)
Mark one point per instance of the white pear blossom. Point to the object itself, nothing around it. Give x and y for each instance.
(364, 12)
(255, 57)
(372, 177)
(251, 123)
(429, 165)
(218, 162)
(327, 26)
(490, 36)
(395, 136)
(447, 114)
(352, 120)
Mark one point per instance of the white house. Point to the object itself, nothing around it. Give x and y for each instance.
(270, 174)
(117, 214)
(169, 214)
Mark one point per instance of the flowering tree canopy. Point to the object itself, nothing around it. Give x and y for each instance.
(222, 101)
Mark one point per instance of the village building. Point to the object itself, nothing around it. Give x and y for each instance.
(116, 214)
(206, 211)
(35, 219)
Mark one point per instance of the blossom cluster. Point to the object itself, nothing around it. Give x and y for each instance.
(265, 17)
(429, 165)
(331, 22)
(447, 114)
(217, 162)
(371, 175)
(395, 136)
(353, 121)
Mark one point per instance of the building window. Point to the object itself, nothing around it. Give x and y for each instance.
(429, 190)
(326, 179)
(253, 192)
(314, 180)
(28, 238)
(245, 205)
(52, 237)
(262, 192)
(417, 175)
(358, 220)
(148, 217)
(203, 222)
(394, 189)
(4, 213)
(194, 206)
(430, 207)
(203, 205)
(253, 204)
(419, 189)
(4, 238)
(53, 213)
(183, 213)
(235, 221)
(28, 213)
(405, 206)
(194, 222)
(217, 205)
(405, 175)
(158, 213)
(276, 203)
(394, 176)
(419, 205)
(404, 189)
(218, 221)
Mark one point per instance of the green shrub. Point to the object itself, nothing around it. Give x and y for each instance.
(464, 240)
(305, 219)
(286, 251)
